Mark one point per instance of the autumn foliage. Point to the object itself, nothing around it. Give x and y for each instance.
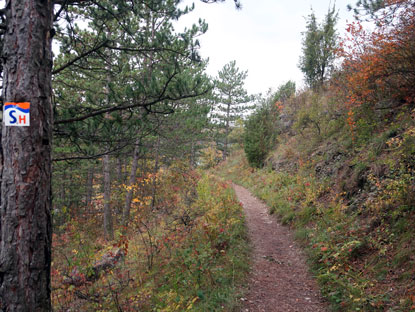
(378, 68)
(185, 253)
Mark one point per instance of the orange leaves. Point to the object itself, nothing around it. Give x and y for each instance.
(279, 106)
(380, 65)
(352, 123)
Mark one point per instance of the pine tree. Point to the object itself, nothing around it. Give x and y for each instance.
(319, 44)
(231, 101)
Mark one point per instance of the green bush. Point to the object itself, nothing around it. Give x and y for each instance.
(259, 135)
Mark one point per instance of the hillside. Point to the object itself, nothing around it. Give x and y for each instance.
(349, 196)
(335, 161)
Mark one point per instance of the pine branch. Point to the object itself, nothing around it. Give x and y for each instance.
(79, 57)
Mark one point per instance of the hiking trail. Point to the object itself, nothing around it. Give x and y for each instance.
(279, 278)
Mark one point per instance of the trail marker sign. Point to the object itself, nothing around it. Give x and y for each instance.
(16, 114)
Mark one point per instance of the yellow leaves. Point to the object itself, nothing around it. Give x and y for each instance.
(190, 306)
(355, 299)
(233, 221)
(395, 142)
(210, 157)
(334, 268)
(177, 303)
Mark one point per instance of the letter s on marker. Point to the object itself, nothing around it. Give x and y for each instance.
(13, 119)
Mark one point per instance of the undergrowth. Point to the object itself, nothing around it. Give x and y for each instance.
(188, 254)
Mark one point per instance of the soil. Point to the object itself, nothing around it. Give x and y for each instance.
(279, 280)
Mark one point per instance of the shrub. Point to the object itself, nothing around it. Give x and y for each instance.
(259, 136)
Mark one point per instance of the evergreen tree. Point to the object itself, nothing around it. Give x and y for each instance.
(260, 129)
(319, 44)
(231, 101)
(151, 68)
(285, 91)
(25, 156)
(150, 61)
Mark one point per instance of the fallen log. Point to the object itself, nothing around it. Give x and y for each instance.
(107, 262)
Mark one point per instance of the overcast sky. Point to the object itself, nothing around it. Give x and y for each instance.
(264, 37)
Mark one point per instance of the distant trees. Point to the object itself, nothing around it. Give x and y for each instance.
(231, 100)
(284, 92)
(319, 44)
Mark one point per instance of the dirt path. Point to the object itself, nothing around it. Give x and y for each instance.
(279, 280)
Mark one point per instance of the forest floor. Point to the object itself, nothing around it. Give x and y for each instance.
(279, 279)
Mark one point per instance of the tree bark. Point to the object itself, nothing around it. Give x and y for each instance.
(131, 181)
(26, 233)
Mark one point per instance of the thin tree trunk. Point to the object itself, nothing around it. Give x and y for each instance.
(108, 226)
(26, 232)
(228, 114)
(120, 176)
(108, 223)
(71, 199)
(89, 185)
(131, 181)
(155, 170)
(63, 187)
(192, 154)
(143, 169)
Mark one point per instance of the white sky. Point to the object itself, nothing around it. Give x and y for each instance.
(264, 37)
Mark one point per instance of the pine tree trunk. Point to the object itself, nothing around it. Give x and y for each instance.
(71, 198)
(120, 176)
(131, 181)
(108, 226)
(228, 116)
(26, 233)
(89, 185)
